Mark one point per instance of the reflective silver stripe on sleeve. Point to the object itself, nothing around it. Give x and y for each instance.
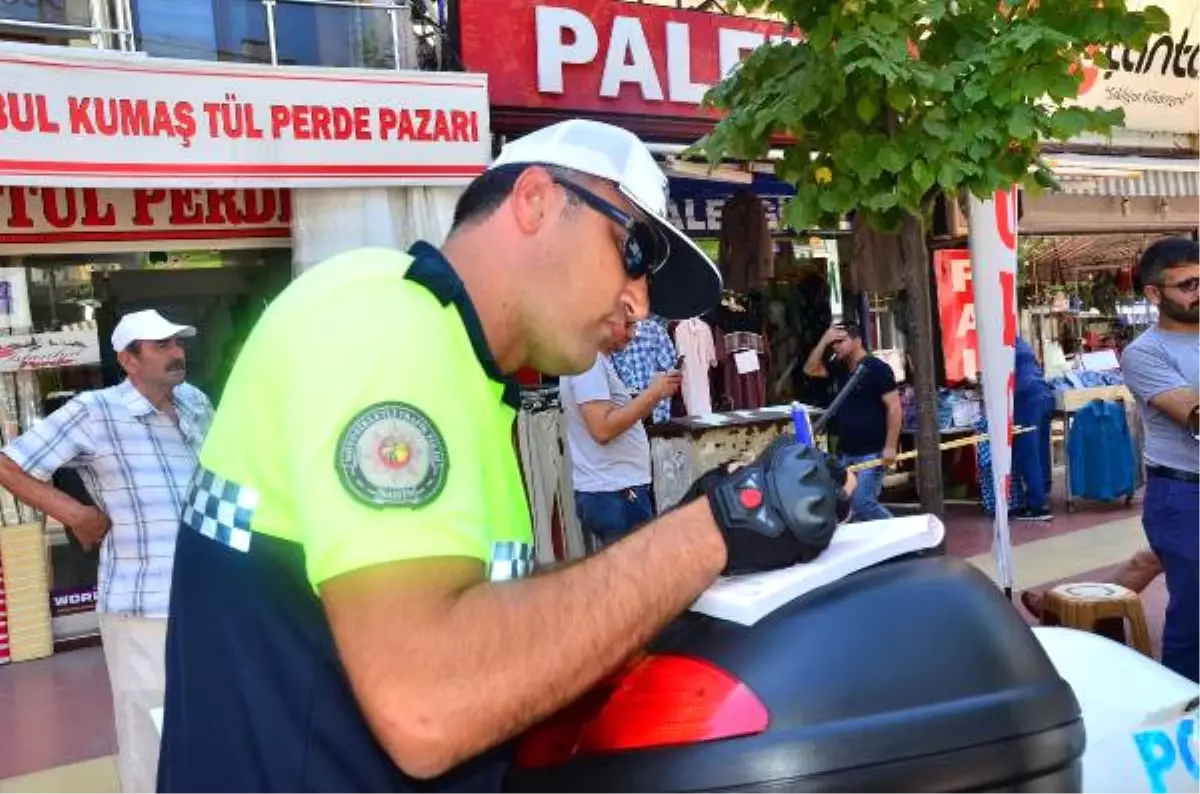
(511, 560)
(221, 510)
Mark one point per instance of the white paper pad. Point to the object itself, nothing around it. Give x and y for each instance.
(748, 599)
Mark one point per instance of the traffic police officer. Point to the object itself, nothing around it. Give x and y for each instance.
(345, 612)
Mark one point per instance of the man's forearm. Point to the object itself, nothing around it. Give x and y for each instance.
(37, 494)
(621, 419)
(814, 365)
(503, 656)
(895, 417)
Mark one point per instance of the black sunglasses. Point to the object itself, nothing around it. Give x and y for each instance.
(645, 249)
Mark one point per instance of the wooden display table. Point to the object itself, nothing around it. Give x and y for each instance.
(683, 449)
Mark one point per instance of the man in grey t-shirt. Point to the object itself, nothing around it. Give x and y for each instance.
(1162, 369)
(610, 453)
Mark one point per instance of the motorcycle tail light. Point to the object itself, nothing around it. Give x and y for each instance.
(657, 701)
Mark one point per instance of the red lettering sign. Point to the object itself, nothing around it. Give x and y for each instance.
(79, 119)
(93, 219)
(956, 311)
(1006, 217)
(1008, 289)
(603, 57)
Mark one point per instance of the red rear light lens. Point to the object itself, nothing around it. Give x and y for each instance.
(657, 701)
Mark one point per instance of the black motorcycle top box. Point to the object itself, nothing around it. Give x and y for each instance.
(914, 675)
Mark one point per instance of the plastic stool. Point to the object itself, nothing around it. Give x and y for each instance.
(1090, 605)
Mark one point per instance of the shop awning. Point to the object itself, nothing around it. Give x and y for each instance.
(1121, 177)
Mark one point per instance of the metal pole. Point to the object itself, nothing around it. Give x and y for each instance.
(394, 16)
(125, 22)
(96, 12)
(269, 5)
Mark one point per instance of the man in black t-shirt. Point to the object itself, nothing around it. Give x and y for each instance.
(868, 423)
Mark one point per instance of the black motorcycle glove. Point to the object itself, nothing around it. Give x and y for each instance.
(780, 510)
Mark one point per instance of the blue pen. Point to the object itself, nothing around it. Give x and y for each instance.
(800, 423)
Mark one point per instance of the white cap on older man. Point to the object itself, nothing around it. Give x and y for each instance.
(688, 283)
(147, 325)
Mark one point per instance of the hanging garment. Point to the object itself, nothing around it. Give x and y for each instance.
(874, 259)
(746, 254)
(542, 463)
(743, 361)
(694, 341)
(1101, 452)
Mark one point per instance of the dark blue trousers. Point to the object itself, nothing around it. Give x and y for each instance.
(1171, 518)
(1031, 455)
(611, 515)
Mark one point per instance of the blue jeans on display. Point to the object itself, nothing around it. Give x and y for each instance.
(864, 503)
(1029, 466)
(1171, 516)
(609, 516)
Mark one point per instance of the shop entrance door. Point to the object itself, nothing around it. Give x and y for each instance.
(223, 303)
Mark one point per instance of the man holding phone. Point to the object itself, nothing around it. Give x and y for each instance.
(610, 452)
(648, 353)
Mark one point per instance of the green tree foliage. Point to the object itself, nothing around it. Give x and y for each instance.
(887, 102)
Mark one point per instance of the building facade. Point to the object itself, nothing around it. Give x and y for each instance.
(192, 156)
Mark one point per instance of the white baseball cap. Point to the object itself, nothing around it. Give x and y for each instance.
(146, 325)
(686, 283)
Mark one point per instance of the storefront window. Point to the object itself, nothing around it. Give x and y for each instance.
(306, 33)
(64, 298)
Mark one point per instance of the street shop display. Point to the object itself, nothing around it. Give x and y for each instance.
(1101, 451)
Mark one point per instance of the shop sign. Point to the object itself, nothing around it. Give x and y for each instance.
(956, 311)
(89, 220)
(1157, 88)
(602, 56)
(50, 350)
(73, 600)
(114, 120)
(695, 204)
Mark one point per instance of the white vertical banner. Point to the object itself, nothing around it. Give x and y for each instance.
(993, 240)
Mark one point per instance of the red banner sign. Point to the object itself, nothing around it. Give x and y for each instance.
(956, 310)
(604, 58)
(61, 220)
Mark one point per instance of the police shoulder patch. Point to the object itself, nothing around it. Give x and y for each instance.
(392, 455)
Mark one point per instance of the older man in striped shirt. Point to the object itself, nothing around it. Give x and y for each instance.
(136, 447)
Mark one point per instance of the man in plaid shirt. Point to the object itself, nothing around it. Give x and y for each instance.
(136, 447)
(650, 353)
